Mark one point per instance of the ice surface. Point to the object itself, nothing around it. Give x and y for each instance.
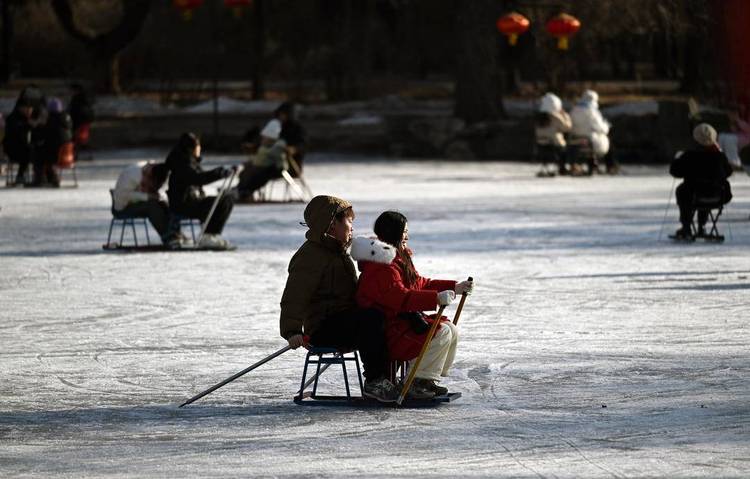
(577, 306)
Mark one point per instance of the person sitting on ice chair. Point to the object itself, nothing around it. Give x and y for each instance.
(318, 299)
(705, 170)
(136, 193)
(267, 163)
(390, 283)
(186, 195)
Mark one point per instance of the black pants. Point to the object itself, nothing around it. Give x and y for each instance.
(552, 154)
(23, 161)
(685, 194)
(253, 178)
(44, 168)
(156, 211)
(360, 329)
(200, 208)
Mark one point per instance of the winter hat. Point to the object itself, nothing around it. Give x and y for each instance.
(54, 105)
(550, 103)
(272, 129)
(590, 96)
(704, 134)
(389, 227)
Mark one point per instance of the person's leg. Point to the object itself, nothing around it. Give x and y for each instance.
(360, 329)
(158, 216)
(221, 214)
(434, 359)
(451, 356)
(258, 178)
(684, 196)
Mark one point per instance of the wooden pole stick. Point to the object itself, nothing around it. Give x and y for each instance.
(413, 369)
(461, 305)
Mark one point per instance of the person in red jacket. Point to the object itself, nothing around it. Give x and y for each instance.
(390, 283)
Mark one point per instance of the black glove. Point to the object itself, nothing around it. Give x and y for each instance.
(226, 172)
(416, 321)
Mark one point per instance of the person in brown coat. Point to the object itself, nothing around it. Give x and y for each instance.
(318, 300)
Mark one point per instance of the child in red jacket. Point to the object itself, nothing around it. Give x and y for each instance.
(390, 283)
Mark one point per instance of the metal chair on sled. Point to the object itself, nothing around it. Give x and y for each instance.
(327, 357)
(125, 220)
(706, 205)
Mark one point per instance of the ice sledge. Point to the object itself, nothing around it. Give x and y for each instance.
(323, 358)
(154, 248)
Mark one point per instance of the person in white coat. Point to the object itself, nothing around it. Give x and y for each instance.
(589, 123)
(137, 193)
(551, 123)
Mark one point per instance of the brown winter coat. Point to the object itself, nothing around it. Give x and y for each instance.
(322, 278)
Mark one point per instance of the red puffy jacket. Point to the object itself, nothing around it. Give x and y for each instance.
(383, 286)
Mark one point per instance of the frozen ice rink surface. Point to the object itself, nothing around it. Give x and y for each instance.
(589, 349)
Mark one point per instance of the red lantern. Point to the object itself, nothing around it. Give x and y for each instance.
(512, 25)
(561, 27)
(186, 7)
(237, 6)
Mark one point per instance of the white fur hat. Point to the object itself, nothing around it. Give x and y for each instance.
(272, 129)
(704, 134)
(550, 103)
(372, 249)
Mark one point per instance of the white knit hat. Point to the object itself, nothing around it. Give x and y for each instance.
(550, 103)
(705, 135)
(272, 129)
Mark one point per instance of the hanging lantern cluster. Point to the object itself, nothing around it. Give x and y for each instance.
(186, 7)
(561, 26)
(512, 25)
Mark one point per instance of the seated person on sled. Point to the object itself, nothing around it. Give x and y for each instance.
(186, 195)
(705, 170)
(265, 164)
(551, 124)
(318, 299)
(390, 283)
(136, 193)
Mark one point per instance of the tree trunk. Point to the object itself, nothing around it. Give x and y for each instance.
(259, 47)
(476, 93)
(106, 47)
(7, 22)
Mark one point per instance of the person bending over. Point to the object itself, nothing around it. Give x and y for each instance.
(136, 193)
(704, 170)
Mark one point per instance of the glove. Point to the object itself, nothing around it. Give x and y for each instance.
(445, 297)
(416, 322)
(226, 172)
(296, 341)
(465, 287)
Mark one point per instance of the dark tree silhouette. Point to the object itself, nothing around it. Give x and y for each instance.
(477, 92)
(105, 47)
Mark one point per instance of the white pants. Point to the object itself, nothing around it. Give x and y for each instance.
(440, 353)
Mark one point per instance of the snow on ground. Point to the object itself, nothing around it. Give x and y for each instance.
(589, 349)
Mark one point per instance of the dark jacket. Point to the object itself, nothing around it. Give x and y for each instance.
(57, 131)
(186, 178)
(17, 140)
(704, 170)
(81, 109)
(322, 280)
